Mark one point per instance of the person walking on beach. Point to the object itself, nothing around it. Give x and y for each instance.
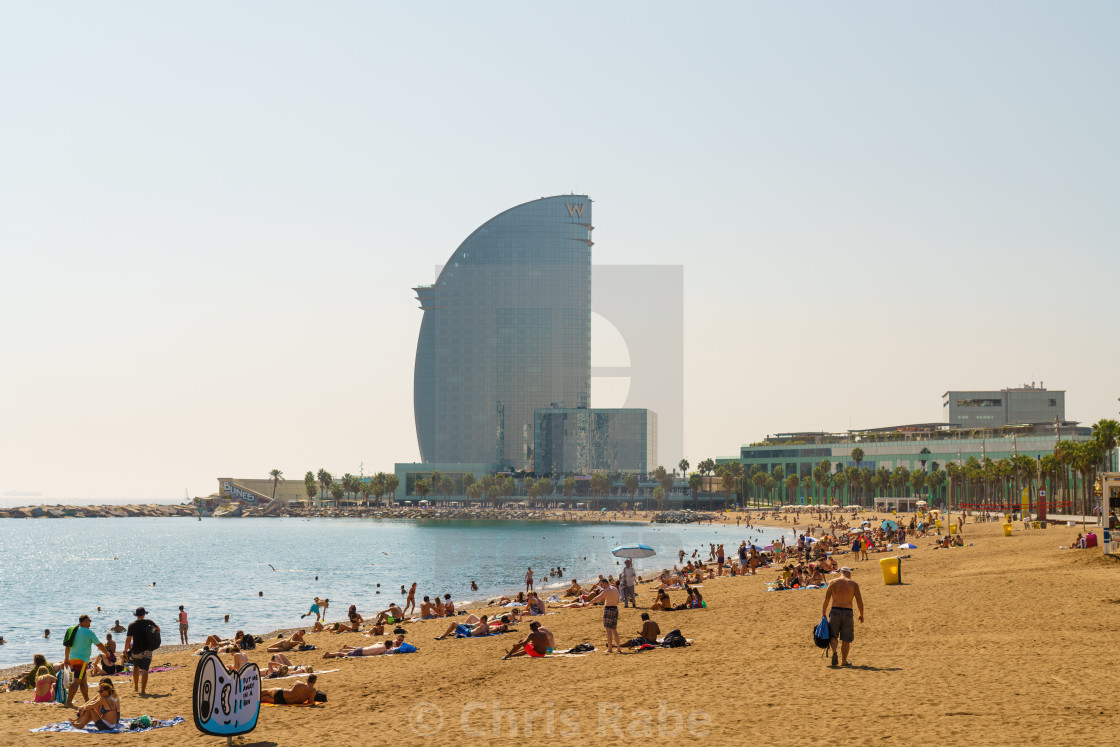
(627, 580)
(609, 597)
(841, 625)
(410, 603)
(529, 581)
(77, 656)
(182, 625)
(139, 643)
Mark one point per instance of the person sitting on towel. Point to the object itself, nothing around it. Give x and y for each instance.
(288, 643)
(466, 630)
(574, 590)
(535, 645)
(295, 695)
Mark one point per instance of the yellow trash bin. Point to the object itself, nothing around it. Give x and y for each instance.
(892, 570)
(952, 529)
(937, 523)
(1007, 529)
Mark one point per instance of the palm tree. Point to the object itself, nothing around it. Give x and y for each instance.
(325, 480)
(365, 487)
(857, 456)
(568, 484)
(474, 490)
(707, 467)
(917, 481)
(421, 487)
(791, 485)
(337, 491)
(544, 487)
(664, 479)
(277, 476)
(446, 486)
(309, 485)
(1066, 454)
(659, 496)
(683, 464)
(934, 480)
(392, 482)
(631, 484)
(1106, 432)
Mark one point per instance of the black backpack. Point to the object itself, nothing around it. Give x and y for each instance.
(673, 639)
(147, 637)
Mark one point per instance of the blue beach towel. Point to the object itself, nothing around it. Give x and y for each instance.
(820, 633)
(64, 726)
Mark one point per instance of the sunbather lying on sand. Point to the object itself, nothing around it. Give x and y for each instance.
(296, 694)
(281, 666)
(376, 649)
(478, 630)
(288, 643)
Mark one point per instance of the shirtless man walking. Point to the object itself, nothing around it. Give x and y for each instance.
(841, 625)
(609, 597)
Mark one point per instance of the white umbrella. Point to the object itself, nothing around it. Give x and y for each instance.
(633, 551)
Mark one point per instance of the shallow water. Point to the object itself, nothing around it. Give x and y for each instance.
(57, 569)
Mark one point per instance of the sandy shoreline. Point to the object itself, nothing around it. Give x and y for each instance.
(952, 656)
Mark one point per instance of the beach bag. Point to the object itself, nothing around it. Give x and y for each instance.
(821, 635)
(147, 636)
(71, 633)
(673, 639)
(64, 679)
(248, 643)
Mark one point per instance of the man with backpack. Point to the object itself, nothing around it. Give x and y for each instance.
(142, 639)
(79, 640)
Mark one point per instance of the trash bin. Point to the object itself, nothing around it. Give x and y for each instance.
(952, 529)
(937, 523)
(1007, 529)
(892, 570)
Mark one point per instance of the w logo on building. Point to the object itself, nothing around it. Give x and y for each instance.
(574, 210)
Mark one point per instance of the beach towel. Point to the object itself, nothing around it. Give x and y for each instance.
(301, 674)
(821, 634)
(123, 726)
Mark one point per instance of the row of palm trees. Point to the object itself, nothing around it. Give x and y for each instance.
(1071, 471)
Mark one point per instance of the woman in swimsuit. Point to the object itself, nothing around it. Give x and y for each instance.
(104, 710)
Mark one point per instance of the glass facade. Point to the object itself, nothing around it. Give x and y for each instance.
(578, 441)
(506, 330)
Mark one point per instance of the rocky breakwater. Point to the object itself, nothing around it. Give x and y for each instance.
(681, 517)
(98, 512)
(458, 514)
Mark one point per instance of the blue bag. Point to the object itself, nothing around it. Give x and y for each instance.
(820, 633)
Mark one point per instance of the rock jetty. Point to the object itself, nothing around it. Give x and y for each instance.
(97, 512)
(682, 517)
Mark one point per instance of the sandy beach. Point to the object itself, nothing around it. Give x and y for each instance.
(1006, 641)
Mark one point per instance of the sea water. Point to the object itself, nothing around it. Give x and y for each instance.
(265, 572)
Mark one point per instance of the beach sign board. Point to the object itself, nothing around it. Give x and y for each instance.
(1026, 497)
(225, 703)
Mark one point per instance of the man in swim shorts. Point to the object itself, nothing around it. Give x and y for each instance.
(77, 655)
(609, 597)
(465, 630)
(841, 625)
(182, 625)
(313, 611)
(535, 645)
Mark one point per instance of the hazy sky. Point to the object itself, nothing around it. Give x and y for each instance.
(211, 214)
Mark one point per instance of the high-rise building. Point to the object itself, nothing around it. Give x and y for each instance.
(506, 330)
(580, 441)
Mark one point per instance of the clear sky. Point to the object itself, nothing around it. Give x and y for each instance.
(211, 213)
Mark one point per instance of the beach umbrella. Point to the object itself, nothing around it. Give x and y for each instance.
(810, 539)
(633, 551)
(908, 546)
(768, 548)
(890, 525)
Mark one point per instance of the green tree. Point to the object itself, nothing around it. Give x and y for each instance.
(422, 487)
(857, 456)
(568, 484)
(392, 482)
(446, 486)
(707, 467)
(277, 476)
(468, 480)
(544, 487)
(474, 490)
(365, 487)
(694, 482)
(325, 480)
(659, 496)
(683, 464)
(791, 485)
(337, 491)
(631, 484)
(1106, 432)
(309, 485)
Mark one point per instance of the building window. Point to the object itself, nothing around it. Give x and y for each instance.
(1053, 403)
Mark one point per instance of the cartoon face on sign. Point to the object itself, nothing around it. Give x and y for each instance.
(226, 702)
